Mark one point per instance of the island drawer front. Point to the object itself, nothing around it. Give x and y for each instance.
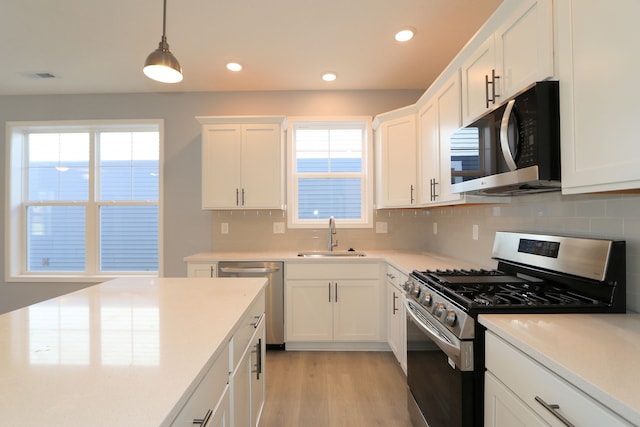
(528, 379)
(207, 394)
(332, 271)
(248, 326)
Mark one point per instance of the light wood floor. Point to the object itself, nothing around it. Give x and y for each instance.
(334, 389)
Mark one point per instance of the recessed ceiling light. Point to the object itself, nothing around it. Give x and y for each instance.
(405, 35)
(234, 66)
(329, 77)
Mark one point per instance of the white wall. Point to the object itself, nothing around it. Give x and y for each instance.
(187, 229)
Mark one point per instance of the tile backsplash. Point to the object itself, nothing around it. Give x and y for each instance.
(465, 232)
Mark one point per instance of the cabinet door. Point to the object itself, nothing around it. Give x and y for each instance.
(396, 325)
(258, 358)
(221, 156)
(241, 404)
(428, 154)
(309, 310)
(262, 169)
(599, 92)
(448, 103)
(475, 92)
(201, 270)
(524, 47)
(221, 416)
(503, 409)
(397, 139)
(357, 312)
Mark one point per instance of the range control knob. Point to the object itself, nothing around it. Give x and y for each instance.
(415, 290)
(450, 318)
(426, 299)
(439, 309)
(408, 285)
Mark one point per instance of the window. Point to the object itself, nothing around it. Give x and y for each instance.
(329, 172)
(83, 199)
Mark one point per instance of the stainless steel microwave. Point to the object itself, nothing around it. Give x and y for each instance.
(513, 149)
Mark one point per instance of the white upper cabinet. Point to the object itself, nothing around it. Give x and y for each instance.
(524, 47)
(242, 162)
(517, 54)
(599, 92)
(396, 164)
(438, 118)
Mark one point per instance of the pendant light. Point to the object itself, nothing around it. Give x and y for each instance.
(161, 65)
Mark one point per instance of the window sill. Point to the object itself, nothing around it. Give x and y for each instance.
(40, 278)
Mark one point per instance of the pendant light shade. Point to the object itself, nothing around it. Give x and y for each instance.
(161, 65)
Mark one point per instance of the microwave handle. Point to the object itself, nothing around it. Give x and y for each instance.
(504, 136)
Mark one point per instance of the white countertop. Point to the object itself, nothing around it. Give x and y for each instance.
(597, 353)
(127, 352)
(402, 260)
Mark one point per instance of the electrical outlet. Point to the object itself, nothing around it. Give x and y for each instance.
(474, 232)
(278, 228)
(381, 227)
(435, 228)
(224, 228)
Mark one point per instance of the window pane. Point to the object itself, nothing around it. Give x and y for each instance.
(55, 238)
(129, 238)
(58, 166)
(328, 150)
(320, 198)
(129, 165)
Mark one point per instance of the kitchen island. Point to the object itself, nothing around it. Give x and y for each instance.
(126, 352)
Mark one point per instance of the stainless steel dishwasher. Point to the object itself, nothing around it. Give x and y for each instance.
(274, 294)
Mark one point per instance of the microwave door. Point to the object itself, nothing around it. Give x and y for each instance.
(509, 136)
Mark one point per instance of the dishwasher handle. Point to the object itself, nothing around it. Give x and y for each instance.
(249, 270)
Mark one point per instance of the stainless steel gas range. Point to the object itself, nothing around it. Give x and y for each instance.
(535, 274)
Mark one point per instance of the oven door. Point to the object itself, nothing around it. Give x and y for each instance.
(439, 372)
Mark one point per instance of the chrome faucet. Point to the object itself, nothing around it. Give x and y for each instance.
(332, 231)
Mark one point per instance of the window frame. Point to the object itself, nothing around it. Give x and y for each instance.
(367, 178)
(16, 200)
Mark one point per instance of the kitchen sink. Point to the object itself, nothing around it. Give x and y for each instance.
(329, 254)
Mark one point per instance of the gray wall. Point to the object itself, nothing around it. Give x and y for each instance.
(187, 229)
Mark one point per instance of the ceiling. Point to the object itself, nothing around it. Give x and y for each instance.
(95, 46)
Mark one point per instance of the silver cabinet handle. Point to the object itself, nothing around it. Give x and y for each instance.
(205, 420)
(329, 291)
(553, 408)
(258, 351)
(243, 197)
(336, 291)
(237, 197)
(395, 297)
(258, 321)
(411, 187)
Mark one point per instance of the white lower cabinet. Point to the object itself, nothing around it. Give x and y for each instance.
(247, 367)
(396, 316)
(519, 391)
(209, 403)
(329, 302)
(231, 394)
(197, 269)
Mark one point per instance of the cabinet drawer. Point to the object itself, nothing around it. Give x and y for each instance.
(246, 330)
(333, 271)
(208, 393)
(528, 379)
(395, 276)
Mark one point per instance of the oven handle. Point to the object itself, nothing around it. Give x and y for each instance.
(450, 350)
